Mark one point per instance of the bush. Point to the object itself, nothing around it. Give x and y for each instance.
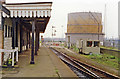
(112, 57)
(10, 60)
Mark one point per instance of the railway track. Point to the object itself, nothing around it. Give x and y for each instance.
(82, 69)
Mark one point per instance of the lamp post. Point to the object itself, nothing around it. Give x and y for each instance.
(52, 32)
(62, 31)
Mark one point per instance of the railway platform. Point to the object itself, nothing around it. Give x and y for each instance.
(47, 64)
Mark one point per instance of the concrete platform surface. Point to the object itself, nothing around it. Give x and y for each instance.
(47, 64)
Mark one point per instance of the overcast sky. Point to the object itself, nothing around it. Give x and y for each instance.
(61, 8)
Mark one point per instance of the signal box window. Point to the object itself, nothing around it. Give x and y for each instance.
(96, 43)
(89, 43)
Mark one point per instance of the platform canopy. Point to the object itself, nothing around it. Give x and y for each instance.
(26, 12)
(38, 9)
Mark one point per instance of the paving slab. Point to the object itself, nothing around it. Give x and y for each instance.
(47, 64)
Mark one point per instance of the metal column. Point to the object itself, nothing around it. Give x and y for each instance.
(13, 33)
(32, 51)
(20, 38)
(36, 42)
(16, 34)
(29, 40)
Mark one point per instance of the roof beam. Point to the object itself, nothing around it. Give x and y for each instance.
(4, 9)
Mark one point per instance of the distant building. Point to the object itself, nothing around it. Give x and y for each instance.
(111, 43)
(84, 25)
(54, 39)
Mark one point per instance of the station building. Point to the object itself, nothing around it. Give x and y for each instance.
(84, 25)
(21, 25)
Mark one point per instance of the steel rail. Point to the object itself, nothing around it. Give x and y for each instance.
(91, 71)
(76, 65)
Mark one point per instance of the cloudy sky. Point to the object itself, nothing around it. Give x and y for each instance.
(61, 8)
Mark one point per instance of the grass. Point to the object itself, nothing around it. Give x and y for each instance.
(105, 59)
(105, 62)
(57, 72)
(74, 48)
(111, 48)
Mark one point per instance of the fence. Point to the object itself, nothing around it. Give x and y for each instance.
(11, 52)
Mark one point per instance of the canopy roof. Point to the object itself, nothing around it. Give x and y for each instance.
(26, 12)
(38, 9)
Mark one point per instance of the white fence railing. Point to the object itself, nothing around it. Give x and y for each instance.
(11, 51)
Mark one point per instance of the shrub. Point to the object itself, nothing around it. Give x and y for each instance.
(112, 57)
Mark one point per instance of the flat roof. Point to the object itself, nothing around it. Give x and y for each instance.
(86, 33)
(28, 3)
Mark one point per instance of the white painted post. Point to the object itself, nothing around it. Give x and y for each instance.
(16, 54)
(10, 53)
(28, 46)
(12, 58)
(0, 58)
